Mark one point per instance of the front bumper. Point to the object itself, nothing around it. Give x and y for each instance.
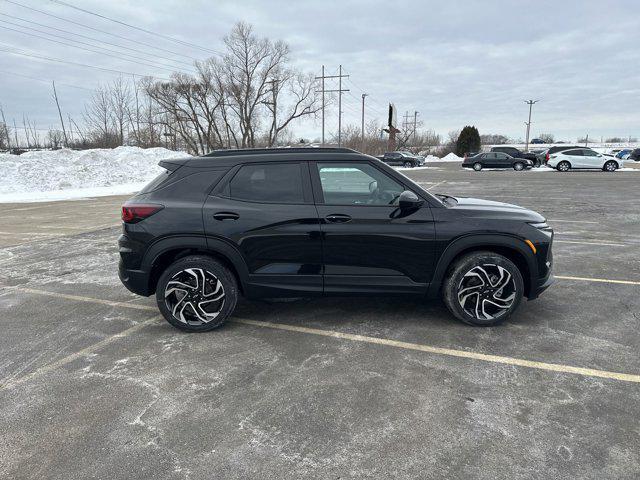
(542, 285)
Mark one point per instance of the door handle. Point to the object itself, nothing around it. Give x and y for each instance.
(226, 216)
(337, 218)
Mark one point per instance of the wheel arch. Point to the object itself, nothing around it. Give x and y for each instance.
(163, 253)
(510, 247)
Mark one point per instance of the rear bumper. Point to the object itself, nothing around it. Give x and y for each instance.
(136, 281)
(129, 267)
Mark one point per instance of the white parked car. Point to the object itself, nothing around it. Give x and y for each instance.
(582, 159)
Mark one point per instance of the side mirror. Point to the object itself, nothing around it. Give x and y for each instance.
(409, 200)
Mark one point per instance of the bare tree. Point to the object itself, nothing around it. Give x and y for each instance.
(98, 117)
(546, 137)
(120, 103)
(5, 132)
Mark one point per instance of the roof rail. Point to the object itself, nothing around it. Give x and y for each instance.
(267, 151)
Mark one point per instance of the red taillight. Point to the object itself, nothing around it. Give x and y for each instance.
(546, 157)
(133, 213)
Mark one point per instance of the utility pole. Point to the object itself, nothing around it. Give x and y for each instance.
(586, 140)
(362, 131)
(340, 90)
(415, 125)
(530, 103)
(55, 97)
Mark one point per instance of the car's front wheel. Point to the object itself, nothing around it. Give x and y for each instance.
(196, 293)
(518, 166)
(477, 166)
(610, 166)
(407, 164)
(483, 288)
(564, 166)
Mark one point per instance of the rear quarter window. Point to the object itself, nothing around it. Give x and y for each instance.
(156, 182)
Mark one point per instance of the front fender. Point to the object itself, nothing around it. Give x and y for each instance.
(475, 242)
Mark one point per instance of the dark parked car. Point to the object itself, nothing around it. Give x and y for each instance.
(310, 222)
(635, 155)
(405, 159)
(496, 160)
(537, 141)
(515, 153)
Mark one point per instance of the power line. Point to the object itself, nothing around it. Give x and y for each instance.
(12, 52)
(43, 80)
(98, 30)
(153, 65)
(117, 45)
(166, 37)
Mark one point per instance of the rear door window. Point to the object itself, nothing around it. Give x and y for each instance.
(573, 153)
(271, 183)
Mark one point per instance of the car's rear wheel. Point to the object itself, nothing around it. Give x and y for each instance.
(518, 166)
(610, 166)
(563, 166)
(483, 288)
(407, 164)
(537, 163)
(477, 166)
(196, 293)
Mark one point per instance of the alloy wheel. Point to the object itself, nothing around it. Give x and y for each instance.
(563, 166)
(610, 166)
(487, 291)
(194, 296)
(477, 166)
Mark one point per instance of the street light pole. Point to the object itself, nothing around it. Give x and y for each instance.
(530, 103)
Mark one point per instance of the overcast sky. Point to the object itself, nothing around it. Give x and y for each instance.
(455, 62)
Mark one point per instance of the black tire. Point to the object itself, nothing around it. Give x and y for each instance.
(537, 163)
(518, 166)
(610, 166)
(460, 280)
(191, 272)
(477, 166)
(408, 164)
(563, 166)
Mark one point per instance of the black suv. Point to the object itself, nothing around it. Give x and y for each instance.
(310, 222)
(515, 153)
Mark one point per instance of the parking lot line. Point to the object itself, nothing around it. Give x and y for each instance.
(586, 242)
(79, 298)
(557, 220)
(436, 184)
(80, 353)
(553, 367)
(598, 280)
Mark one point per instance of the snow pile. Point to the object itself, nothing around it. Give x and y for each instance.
(452, 157)
(65, 174)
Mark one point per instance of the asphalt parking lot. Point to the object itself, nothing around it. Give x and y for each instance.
(93, 384)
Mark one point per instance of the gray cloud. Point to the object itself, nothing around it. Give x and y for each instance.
(455, 62)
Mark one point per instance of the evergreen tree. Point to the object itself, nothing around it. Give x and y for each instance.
(468, 141)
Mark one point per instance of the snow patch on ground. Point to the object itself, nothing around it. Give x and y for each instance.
(68, 174)
(451, 157)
